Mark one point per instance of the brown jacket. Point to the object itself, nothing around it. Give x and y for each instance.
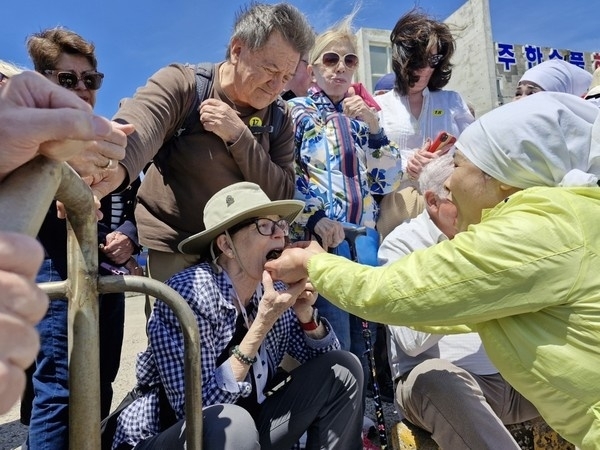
(171, 199)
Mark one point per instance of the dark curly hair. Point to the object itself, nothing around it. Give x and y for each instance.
(414, 38)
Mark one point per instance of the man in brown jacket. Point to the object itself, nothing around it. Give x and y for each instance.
(232, 141)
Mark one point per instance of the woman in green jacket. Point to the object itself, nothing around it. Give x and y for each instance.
(523, 271)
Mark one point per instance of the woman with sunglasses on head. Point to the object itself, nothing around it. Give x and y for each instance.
(343, 157)
(340, 147)
(417, 109)
(247, 324)
(68, 60)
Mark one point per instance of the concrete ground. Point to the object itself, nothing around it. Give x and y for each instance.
(13, 434)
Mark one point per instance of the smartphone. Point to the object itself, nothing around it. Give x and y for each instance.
(441, 140)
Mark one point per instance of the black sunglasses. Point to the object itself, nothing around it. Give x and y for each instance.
(70, 80)
(434, 60)
(332, 59)
(3, 77)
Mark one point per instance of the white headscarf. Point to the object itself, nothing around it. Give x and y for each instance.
(557, 75)
(545, 139)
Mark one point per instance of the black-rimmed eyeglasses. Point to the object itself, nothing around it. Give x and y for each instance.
(264, 226)
(69, 79)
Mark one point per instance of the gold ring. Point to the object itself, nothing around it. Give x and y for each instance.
(108, 164)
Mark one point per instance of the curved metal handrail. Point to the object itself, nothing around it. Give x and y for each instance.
(191, 343)
(37, 184)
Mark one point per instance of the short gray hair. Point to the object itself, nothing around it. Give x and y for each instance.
(434, 175)
(255, 23)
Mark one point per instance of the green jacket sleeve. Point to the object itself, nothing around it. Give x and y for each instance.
(488, 272)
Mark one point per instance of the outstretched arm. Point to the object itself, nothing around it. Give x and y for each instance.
(39, 117)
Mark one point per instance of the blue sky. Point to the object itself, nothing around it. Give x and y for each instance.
(134, 38)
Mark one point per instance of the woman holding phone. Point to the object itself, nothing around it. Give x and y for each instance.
(418, 109)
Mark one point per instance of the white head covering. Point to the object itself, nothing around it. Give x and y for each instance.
(557, 75)
(545, 139)
(594, 85)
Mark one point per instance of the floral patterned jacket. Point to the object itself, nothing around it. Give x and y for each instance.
(339, 165)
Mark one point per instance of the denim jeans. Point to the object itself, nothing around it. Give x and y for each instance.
(48, 428)
(338, 318)
(349, 330)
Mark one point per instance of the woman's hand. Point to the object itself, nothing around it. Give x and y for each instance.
(306, 299)
(330, 231)
(355, 107)
(422, 157)
(22, 305)
(291, 266)
(40, 117)
(274, 303)
(118, 247)
(418, 161)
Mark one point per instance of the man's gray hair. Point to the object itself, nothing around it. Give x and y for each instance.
(255, 23)
(434, 175)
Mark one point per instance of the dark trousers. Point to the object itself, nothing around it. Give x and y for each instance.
(323, 399)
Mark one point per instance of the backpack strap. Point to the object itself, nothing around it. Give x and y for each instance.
(204, 82)
(278, 116)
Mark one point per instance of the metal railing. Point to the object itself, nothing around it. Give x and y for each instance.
(25, 196)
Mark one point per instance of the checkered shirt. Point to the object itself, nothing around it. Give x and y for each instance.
(212, 299)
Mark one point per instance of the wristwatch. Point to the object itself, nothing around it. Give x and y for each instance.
(314, 322)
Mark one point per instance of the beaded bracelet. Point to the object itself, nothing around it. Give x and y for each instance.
(235, 351)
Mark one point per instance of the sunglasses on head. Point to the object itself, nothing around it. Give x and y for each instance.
(332, 59)
(434, 60)
(70, 80)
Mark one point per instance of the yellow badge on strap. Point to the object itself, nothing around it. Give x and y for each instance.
(438, 112)
(256, 126)
(255, 122)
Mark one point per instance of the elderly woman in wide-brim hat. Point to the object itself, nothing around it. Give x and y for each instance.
(247, 324)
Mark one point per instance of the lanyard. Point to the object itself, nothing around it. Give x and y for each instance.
(260, 369)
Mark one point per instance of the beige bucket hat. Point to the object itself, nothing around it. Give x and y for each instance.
(232, 205)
